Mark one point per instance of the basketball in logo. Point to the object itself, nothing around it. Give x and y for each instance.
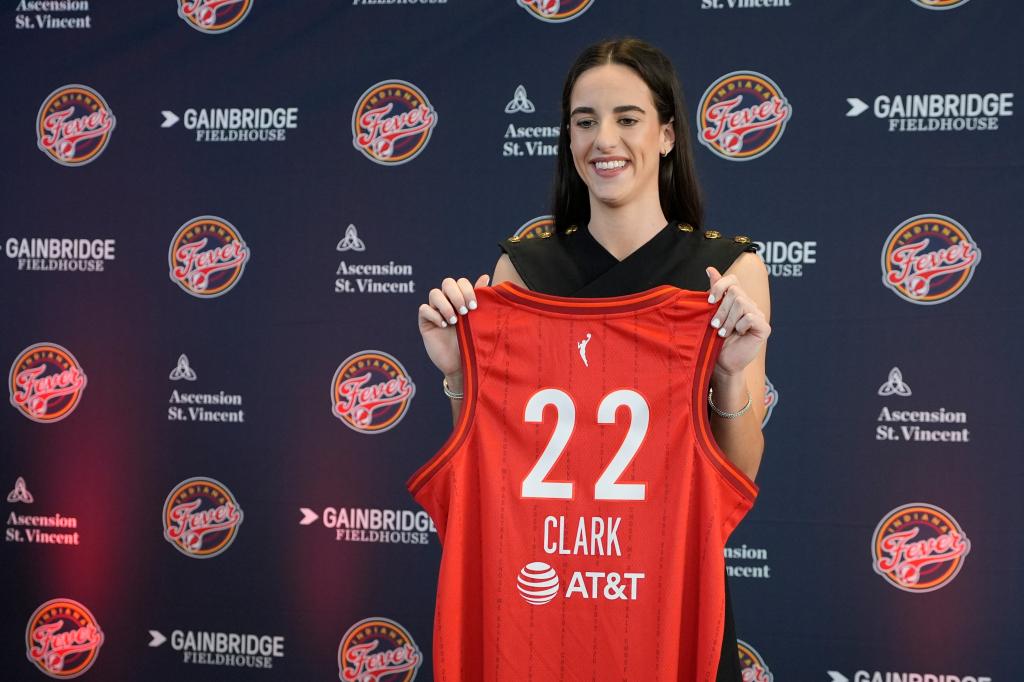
(540, 227)
(201, 517)
(63, 638)
(940, 4)
(742, 115)
(555, 11)
(207, 256)
(213, 16)
(74, 125)
(919, 547)
(378, 650)
(371, 391)
(929, 259)
(752, 664)
(392, 122)
(46, 382)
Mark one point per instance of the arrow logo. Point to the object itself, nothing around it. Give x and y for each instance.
(857, 107)
(158, 639)
(837, 677)
(308, 516)
(170, 118)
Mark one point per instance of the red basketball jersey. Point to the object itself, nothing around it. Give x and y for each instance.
(581, 502)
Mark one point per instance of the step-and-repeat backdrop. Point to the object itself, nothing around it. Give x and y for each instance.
(220, 216)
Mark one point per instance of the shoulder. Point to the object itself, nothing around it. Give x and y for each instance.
(540, 259)
(715, 249)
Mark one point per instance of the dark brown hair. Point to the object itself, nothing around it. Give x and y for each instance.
(677, 182)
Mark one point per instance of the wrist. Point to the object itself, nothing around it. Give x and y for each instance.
(454, 381)
(730, 390)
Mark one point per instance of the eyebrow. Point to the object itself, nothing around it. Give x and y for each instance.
(617, 110)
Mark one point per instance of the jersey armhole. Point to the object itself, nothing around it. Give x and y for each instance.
(470, 370)
(730, 473)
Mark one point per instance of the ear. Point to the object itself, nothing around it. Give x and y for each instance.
(668, 133)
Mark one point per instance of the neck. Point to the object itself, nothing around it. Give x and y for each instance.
(621, 230)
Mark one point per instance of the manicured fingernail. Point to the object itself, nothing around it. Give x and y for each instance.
(453, 319)
(443, 324)
(711, 298)
(716, 323)
(472, 305)
(721, 332)
(463, 310)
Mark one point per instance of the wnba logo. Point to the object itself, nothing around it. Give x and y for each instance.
(207, 256)
(371, 391)
(752, 664)
(919, 547)
(377, 648)
(540, 227)
(201, 517)
(555, 11)
(392, 122)
(771, 399)
(74, 125)
(940, 4)
(929, 259)
(63, 638)
(213, 16)
(46, 382)
(742, 115)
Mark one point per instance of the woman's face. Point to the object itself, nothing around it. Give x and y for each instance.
(615, 137)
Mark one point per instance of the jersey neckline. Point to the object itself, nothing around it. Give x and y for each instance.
(649, 298)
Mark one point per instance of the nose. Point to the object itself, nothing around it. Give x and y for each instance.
(607, 136)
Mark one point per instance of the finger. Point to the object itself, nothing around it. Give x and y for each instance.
(482, 281)
(721, 285)
(442, 305)
(466, 288)
(747, 322)
(737, 310)
(451, 289)
(431, 315)
(722, 314)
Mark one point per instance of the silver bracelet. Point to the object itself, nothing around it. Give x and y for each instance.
(728, 415)
(449, 392)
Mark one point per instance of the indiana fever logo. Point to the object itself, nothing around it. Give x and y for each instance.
(74, 125)
(540, 227)
(771, 399)
(752, 664)
(742, 115)
(392, 122)
(63, 638)
(207, 256)
(378, 650)
(213, 16)
(46, 382)
(940, 4)
(929, 259)
(919, 547)
(371, 391)
(201, 517)
(555, 11)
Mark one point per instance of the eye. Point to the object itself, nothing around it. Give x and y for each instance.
(585, 123)
(627, 121)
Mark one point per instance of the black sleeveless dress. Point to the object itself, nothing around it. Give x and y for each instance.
(573, 263)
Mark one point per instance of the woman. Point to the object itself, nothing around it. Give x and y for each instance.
(628, 217)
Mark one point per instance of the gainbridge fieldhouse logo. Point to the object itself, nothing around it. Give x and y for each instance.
(378, 649)
(201, 517)
(540, 227)
(919, 547)
(742, 115)
(940, 4)
(207, 256)
(46, 382)
(371, 391)
(63, 638)
(214, 16)
(392, 122)
(74, 125)
(752, 664)
(555, 11)
(929, 259)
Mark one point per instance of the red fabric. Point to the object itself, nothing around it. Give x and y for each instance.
(650, 352)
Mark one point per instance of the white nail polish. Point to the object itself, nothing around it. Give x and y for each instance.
(472, 305)
(715, 323)
(711, 298)
(463, 310)
(721, 332)
(443, 324)
(453, 319)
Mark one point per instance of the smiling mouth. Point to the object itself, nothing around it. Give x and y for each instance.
(610, 165)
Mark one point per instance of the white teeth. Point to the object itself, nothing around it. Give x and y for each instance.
(609, 165)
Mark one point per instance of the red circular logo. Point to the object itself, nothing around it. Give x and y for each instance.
(201, 517)
(742, 115)
(752, 664)
(213, 16)
(74, 125)
(371, 391)
(207, 256)
(919, 547)
(929, 259)
(555, 11)
(63, 638)
(771, 399)
(392, 122)
(940, 4)
(541, 226)
(378, 650)
(46, 382)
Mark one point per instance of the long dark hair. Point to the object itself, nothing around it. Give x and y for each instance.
(677, 182)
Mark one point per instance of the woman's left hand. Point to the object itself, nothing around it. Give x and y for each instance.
(739, 320)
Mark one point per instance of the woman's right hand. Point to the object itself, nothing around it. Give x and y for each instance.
(437, 319)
